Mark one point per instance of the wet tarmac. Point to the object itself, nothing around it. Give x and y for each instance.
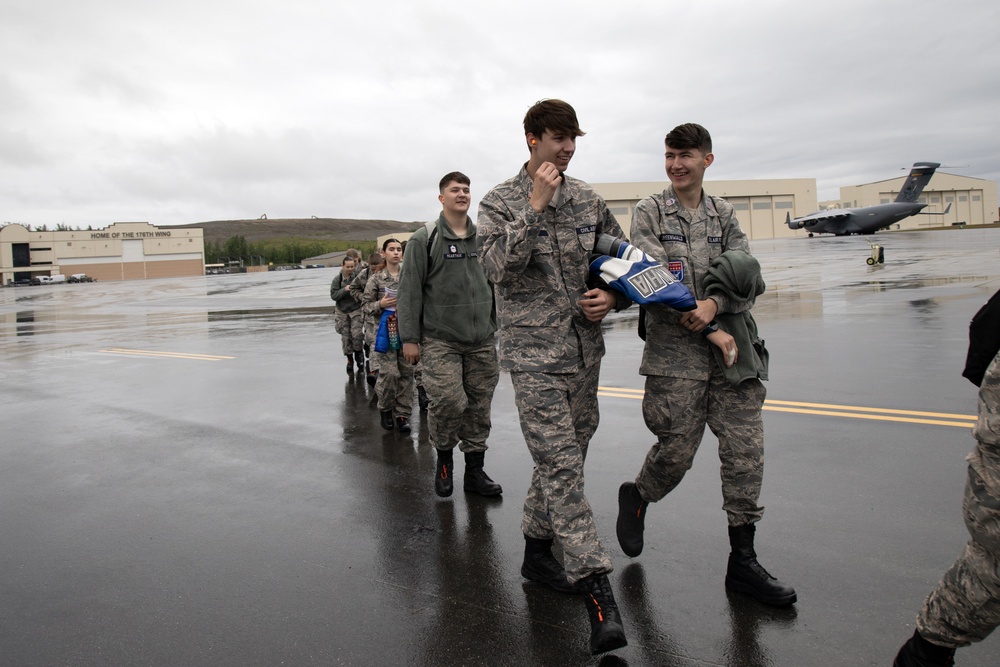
(189, 477)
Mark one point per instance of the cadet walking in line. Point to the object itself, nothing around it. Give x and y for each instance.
(368, 324)
(691, 383)
(348, 317)
(536, 233)
(394, 386)
(446, 320)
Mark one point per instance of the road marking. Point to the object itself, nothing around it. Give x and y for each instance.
(168, 355)
(830, 410)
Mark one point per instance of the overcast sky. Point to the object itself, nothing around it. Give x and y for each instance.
(188, 111)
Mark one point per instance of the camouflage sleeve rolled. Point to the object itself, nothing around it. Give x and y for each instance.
(370, 300)
(504, 238)
(357, 286)
(987, 429)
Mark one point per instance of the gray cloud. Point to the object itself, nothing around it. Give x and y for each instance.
(192, 111)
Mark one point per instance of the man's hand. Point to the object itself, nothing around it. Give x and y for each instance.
(596, 304)
(411, 352)
(699, 318)
(727, 344)
(547, 180)
(387, 302)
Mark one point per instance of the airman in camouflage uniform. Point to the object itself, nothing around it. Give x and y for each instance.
(686, 388)
(965, 606)
(348, 316)
(395, 376)
(536, 233)
(446, 321)
(368, 325)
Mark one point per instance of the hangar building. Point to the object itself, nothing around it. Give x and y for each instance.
(122, 251)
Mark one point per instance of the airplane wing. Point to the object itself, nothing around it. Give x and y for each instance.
(825, 216)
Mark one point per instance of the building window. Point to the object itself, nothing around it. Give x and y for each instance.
(963, 197)
(883, 201)
(741, 206)
(949, 199)
(782, 204)
(618, 210)
(935, 200)
(976, 198)
(762, 206)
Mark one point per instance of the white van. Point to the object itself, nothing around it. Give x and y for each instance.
(58, 278)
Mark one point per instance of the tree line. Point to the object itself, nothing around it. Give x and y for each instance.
(278, 251)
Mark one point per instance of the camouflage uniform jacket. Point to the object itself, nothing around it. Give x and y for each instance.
(662, 227)
(443, 293)
(538, 266)
(347, 302)
(375, 290)
(987, 429)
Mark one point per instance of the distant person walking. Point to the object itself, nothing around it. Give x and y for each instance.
(394, 386)
(368, 323)
(348, 318)
(447, 322)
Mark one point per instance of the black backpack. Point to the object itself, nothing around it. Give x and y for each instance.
(984, 340)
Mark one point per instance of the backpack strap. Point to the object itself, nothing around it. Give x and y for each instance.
(432, 230)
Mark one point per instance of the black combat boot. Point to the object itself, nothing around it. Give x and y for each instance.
(422, 399)
(385, 419)
(403, 424)
(541, 566)
(631, 518)
(918, 652)
(476, 479)
(746, 575)
(372, 377)
(443, 485)
(350, 365)
(606, 631)
(359, 359)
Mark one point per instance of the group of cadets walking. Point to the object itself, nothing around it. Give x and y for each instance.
(522, 271)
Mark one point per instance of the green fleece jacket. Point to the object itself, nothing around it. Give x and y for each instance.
(736, 275)
(443, 293)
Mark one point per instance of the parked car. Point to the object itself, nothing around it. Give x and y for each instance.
(41, 280)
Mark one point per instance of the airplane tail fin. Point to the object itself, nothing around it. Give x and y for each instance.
(792, 224)
(915, 182)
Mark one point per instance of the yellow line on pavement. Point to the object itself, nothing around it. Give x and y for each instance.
(168, 355)
(849, 411)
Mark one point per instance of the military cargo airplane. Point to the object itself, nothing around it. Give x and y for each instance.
(870, 219)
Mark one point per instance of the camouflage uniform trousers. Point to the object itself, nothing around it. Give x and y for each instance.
(459, 381)
(349, 326)
(394, 387)
(676, 410)
(559, 415)
(965, 606)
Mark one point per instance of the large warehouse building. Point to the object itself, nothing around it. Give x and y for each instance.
(122, 251)
(761, 205)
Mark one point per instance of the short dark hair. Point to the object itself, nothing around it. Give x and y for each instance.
(385, 244)
(689, 135)
(375, 258)
(554, 116)
(346, 259)
(453, 177)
